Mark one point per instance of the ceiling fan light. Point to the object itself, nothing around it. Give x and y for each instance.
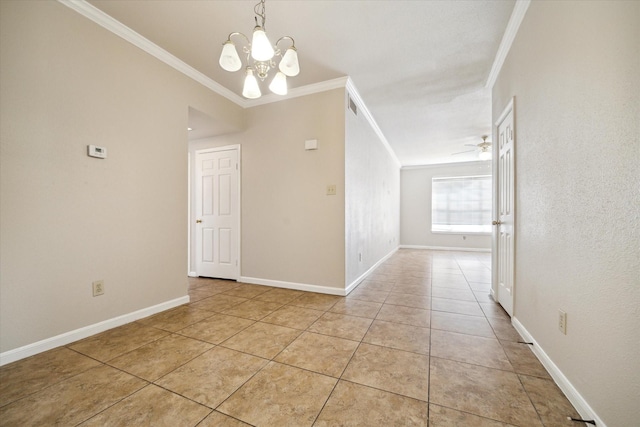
(279, 84)
(261, 49)
(484, 155)
(229, 59)
(251, 89)
(289, 64)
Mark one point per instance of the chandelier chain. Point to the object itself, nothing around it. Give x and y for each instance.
(260, 10)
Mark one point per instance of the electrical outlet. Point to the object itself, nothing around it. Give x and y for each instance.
(562, 321)
(98, 288)
(331, 190)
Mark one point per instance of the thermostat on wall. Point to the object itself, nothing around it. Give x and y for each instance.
(95, 151)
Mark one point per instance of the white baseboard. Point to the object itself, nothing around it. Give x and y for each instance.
(356, 282)
(576, 399)
(192, 274)
(315, 288)
(445, 248)
(87, 331)
(292, 285)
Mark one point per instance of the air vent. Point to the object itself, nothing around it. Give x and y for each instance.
(352, 106)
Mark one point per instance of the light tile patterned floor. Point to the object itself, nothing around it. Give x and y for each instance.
(418, 343)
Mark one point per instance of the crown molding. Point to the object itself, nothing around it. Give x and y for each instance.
(116, 27)
(447, 165)
(340, 82)
(353, 92)
(519, 10)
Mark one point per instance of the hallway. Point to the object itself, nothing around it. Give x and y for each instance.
(418, 343)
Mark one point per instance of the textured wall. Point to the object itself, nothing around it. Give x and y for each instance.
(67, 219)
(415, 207)
(372, 197)
(574, 71)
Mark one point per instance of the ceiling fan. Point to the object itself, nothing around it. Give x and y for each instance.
(484, 147)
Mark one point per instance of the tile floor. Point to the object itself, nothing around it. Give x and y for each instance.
(418, 343)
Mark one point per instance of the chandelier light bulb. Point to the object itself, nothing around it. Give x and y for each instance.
(261, 49)
(251, 89)
(229, 59)
(279, 84)
(289, 64)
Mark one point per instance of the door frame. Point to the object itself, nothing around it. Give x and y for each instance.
(510, 108)
(191, 270)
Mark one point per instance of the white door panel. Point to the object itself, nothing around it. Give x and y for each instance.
(217, 214)
(505, 223)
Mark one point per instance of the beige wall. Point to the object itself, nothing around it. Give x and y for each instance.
(291, 230)
(372, 197)
(415, 207)
(67, 219)
(574, 71)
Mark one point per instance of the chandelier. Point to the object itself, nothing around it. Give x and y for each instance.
(261, 58)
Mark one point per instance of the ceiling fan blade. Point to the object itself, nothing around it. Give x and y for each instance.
(470, 145)
(462, 152)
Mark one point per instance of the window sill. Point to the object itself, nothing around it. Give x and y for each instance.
(463, 233)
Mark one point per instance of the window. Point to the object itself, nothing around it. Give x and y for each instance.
(461, 204)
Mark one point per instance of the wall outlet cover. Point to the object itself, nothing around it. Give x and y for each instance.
(98, 288)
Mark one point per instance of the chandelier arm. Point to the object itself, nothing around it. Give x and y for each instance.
(239, 34)
(293, 42)
(264, 59)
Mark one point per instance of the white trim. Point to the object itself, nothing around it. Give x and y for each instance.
(441, 165)
(353, 92)
(189, 272)
(87, 331)
(357, 281)
(576, 399)
(509, 108)
(291, 285)
(116, 27)
(463, 233)
(519, 10)
(338, 83)
(445, 248)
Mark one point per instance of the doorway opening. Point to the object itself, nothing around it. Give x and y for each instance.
(213, 200)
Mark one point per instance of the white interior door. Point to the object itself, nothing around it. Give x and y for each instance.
(217, 214)
(504, 225)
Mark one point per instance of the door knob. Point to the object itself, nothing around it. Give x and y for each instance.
(198, 221)
(496, 222)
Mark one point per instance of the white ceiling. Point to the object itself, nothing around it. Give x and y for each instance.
(419, 66)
